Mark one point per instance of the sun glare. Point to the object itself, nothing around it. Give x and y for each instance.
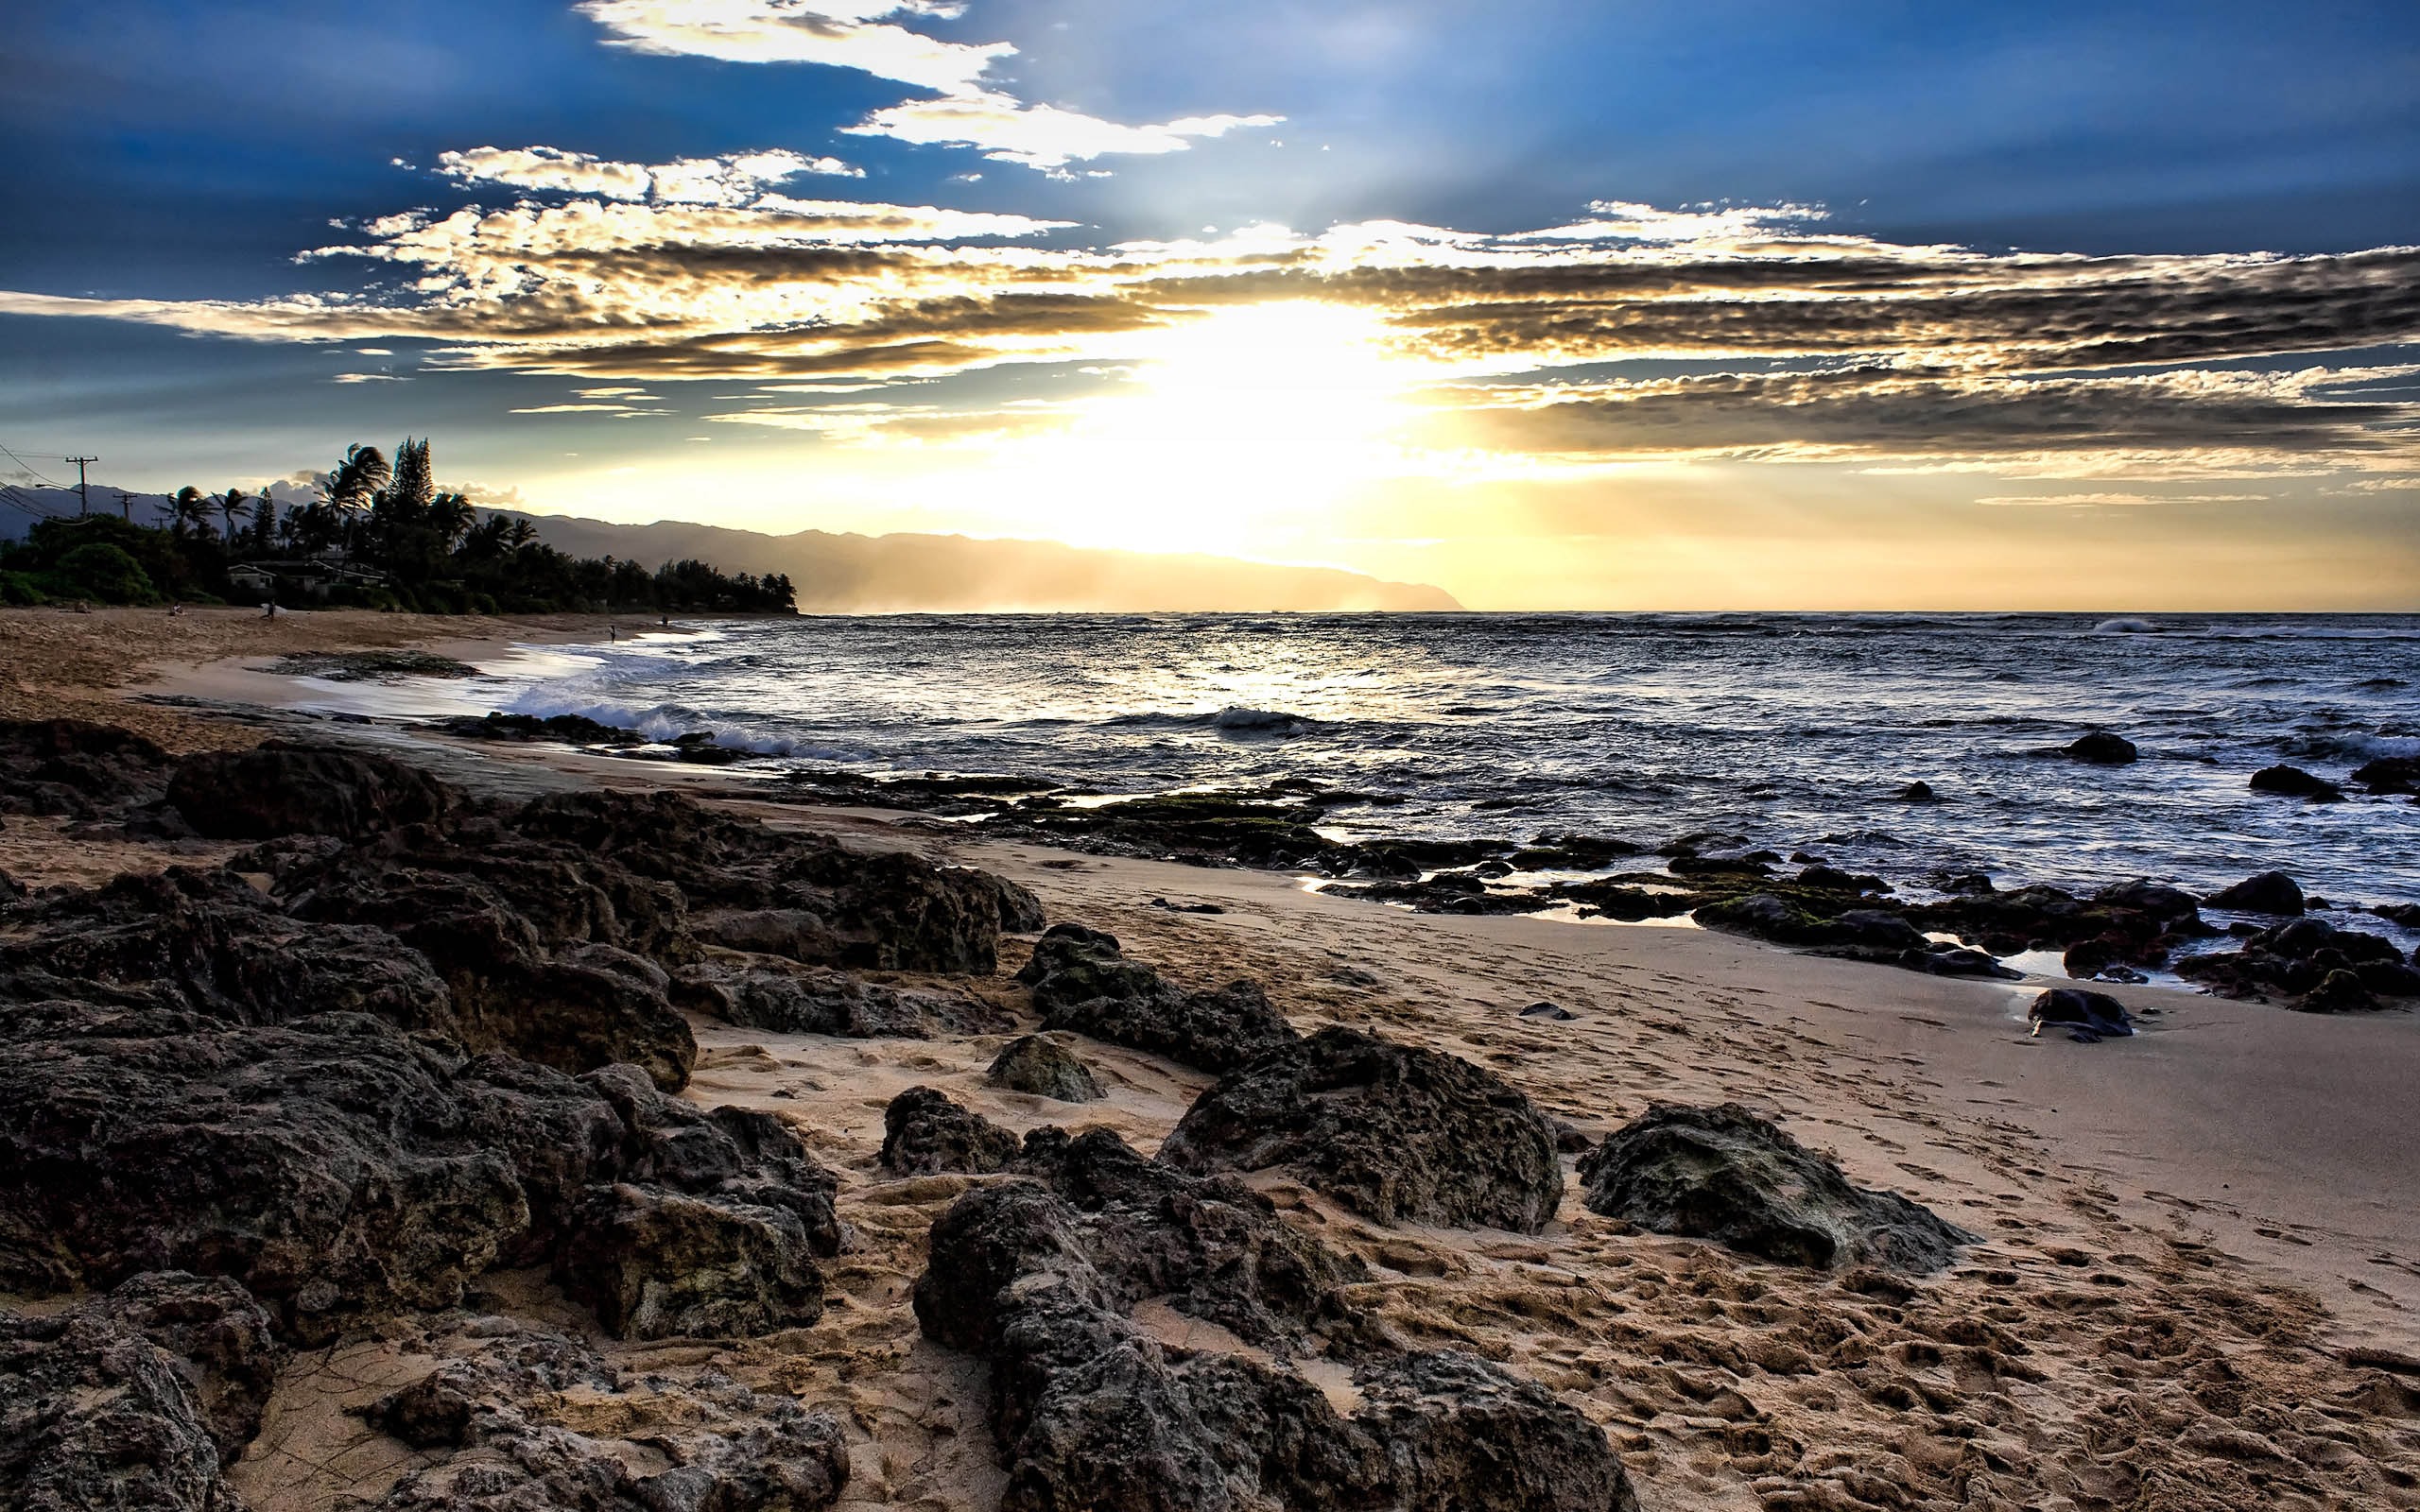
(1246, 424)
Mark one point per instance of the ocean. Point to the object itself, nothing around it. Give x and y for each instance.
(1796, 732)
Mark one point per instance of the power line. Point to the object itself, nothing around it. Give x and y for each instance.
(83, 500)
(29, 469)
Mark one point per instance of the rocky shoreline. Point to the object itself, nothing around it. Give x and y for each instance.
(386, 1052)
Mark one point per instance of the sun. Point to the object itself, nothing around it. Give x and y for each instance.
(1243, 426)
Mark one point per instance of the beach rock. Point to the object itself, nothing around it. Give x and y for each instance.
(1725, 1173)
(793, 934)
(286, 787)
(2296, 958)
(2268, 892)
(2407, 915)
(2339, 992)
(2390, 774)
(1039, 1277)
(569, 730)
(510, 991)
(1394, 1133)
(137, 1399)
(2293, 781)
(1082, 982)
(1447, 892)
(207, 941)
(2090, 1015)
(527, 1418)
(12, 890)
(1018, 906)
(767, 993)
(2140, 923)
(2101, 748)
(1783, 922)
(884, 910)
(1622, 901)
(1553, 1012)
(1040, 1065)
(924, 1131)
(78, 768)
(657, 1265)
(340, 1169)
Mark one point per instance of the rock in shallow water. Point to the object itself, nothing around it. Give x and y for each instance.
(2270, 892)
(1391, 1131)
(1725, 1173)
(2101, 748)
(2293, 781)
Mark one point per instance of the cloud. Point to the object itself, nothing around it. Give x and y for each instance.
(728, 180)
(1038, 136)
(369, 378)
(862, 35)
(2092, 501)
(856, 34)
(1757, 332)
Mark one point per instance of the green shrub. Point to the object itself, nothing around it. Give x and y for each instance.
(99, 570)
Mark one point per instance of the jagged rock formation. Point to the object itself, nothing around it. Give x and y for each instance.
(499, 1413)
(924, 1131)
(1391, 1131)
(139, 1398)
(1725, 1173)
(1040, 1277)
(1082, 981)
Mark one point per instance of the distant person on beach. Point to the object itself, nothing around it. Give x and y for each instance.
(272, 609)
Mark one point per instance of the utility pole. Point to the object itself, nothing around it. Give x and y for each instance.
(83, 501)
(125, 505)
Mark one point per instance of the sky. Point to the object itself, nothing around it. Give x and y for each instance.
(1721, 303)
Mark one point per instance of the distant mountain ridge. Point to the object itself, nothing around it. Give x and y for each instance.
(844, 573)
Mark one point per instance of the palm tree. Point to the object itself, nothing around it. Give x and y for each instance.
(520, 533)
(190, 511)
(451, 517)
(361, 473)
(231, 507)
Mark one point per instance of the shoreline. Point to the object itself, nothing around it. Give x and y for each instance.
(2318, 1063)
(2205, 1176)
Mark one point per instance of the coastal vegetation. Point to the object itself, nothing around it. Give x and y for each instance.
(375, 534)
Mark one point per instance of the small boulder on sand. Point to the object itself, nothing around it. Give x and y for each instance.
(1045, 1067)
(1724, 1174)
(1394, 1133)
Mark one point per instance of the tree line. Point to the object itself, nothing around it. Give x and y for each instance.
(375, 534)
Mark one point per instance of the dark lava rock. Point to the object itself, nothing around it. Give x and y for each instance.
(1918, 793)
(2339, 992)
(1040, 1065)
(1082, 981)
(1770, 917)
(1391, 1131)
(1723, 1173)
(207, 941)
(340, 1169)
(1447, 892)
(2390, 774)
(2136, 923)
(2101, 748)
(2270, 892)
(286, 787)
(1554, 1012)
(78, 768)
(2293, 781)
(136, 1399)
(1039, 1277)
(1187, 909)
(2296, 958)
(569, 730)
(1609, 899)
(527, 1418)
(2407, 915)
(885, 910)
(767, 993)
(2090, 1015)
(924, 1131)
(658, 1265)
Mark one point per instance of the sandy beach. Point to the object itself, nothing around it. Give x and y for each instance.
(2198, 1283)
